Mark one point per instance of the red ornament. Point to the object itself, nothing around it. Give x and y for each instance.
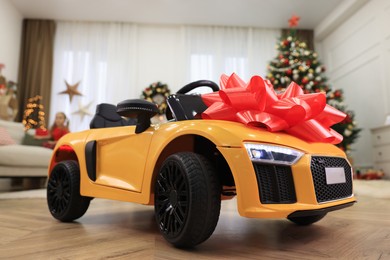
(257, 104)
(347, 119)
(305, 80)
(293, 21)
(289, 72)
(337, 93)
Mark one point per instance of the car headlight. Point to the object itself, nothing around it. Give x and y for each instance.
(272, 154)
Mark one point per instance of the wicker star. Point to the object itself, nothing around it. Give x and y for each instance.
(71, 90)
(83, 110)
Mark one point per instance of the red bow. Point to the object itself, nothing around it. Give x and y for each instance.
(306, 116)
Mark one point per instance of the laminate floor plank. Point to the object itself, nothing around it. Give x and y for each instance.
(120, 230)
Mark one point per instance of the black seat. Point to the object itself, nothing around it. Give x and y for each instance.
(185, 107)
(106, 116)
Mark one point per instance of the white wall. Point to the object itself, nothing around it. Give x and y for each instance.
(357, 56)
(10, 31)
(10, 34)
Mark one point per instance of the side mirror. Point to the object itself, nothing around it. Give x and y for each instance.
(140, 109)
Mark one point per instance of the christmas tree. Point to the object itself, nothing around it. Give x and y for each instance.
(34, 114)
(295, 62)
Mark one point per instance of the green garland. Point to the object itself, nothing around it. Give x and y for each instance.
(157, 93)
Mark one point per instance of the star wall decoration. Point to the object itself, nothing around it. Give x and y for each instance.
(83, 110)
(71, 90)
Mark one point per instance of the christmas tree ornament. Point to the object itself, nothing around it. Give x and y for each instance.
(71, 90)
(293, 21)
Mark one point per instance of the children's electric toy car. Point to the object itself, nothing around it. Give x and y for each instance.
(186, 166)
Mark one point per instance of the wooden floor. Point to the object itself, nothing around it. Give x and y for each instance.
(119, 230)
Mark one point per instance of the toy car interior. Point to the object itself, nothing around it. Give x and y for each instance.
(274, 153)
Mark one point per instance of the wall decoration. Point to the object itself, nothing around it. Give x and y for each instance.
(157, 93)
(71, 90)
(83, 110)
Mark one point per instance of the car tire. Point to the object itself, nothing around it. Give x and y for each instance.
(307, 220)
(187, 199)
(63, 192)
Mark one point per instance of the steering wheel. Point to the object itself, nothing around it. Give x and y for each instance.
(200, 83)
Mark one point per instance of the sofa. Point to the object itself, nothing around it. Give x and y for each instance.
(18, 158)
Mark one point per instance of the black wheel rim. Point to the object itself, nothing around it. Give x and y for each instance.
(58, 191)
(171, 199)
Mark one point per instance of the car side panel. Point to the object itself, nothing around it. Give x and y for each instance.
(228, 138)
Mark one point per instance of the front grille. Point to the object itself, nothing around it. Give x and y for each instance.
(328, 192)
(275, 183)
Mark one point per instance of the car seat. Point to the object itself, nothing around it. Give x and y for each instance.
(106, 116)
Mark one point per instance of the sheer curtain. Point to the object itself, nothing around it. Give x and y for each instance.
(116, 61)
(212, 51)
(102, 57)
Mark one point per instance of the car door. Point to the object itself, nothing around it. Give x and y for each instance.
(116, 157)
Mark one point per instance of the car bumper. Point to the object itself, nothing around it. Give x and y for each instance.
(306, 196)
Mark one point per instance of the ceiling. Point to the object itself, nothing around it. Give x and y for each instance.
(255, 13)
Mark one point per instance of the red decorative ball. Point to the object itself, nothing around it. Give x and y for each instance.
(305, 80)
(289, 72)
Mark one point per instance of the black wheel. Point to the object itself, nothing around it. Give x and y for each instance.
(187, 199)
(63, 192)
(307, 220)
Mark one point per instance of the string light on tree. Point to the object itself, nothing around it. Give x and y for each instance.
(34, 114)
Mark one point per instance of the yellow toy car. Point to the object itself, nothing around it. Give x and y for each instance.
(205, 153)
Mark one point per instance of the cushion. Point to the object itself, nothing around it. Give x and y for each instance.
(15, 129)
(30, 140)
(5, 138)
(23, 155)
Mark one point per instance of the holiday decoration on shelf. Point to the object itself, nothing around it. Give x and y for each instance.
(8, 99)
(34, 114)
(3, 81)
(157, 93)
(306, 116)
(71, 90)
(295, 62)
(6, 87)
(83, 110)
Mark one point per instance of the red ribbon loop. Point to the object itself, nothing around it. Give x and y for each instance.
(306, 116)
